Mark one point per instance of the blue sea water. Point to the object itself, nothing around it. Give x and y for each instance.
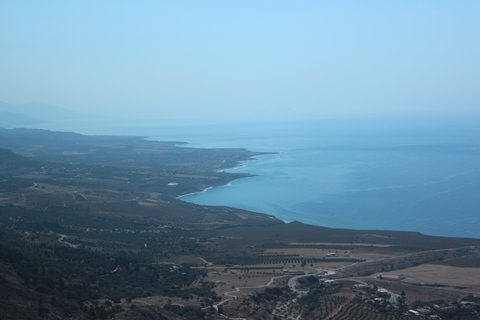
(418, 178)
(388, 174)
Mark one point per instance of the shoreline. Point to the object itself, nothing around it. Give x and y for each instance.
(192, 193)
(470, 235)
(211, 187)
(240, 164)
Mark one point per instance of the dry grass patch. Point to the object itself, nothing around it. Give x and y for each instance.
(247, 282)
(147, 203)
(433, 274)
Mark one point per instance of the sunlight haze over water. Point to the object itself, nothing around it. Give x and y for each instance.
(242, 59)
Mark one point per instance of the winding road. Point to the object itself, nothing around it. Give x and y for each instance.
(237, 289)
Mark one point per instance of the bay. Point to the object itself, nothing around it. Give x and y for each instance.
(388, 174)
(426, 181)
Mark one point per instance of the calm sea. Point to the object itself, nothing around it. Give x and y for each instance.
(388, 174)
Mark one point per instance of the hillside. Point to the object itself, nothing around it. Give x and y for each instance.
(91, 227)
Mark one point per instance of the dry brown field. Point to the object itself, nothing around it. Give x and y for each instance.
(431, 282)
(433, 274)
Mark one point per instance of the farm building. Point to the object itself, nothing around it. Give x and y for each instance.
(382, 293)
(329, 283)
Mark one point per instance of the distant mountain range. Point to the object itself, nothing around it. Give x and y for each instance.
(34, 113)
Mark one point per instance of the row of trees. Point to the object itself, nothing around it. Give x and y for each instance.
(275, 260)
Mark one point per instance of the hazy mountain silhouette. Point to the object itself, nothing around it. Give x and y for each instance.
(34, 113)
(9, 119)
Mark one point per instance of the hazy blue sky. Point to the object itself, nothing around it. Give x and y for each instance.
(242, 58)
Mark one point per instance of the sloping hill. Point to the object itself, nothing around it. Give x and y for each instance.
(11, 120)
(34, 113)
(10, 160)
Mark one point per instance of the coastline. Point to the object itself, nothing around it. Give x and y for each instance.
(236, 158)
(189, 194)
(247, 175)
(224, 228)
(426, 224)
(240, 164)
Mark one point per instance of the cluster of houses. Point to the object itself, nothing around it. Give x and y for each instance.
(381, 293)
(382, 296)
(427, 311)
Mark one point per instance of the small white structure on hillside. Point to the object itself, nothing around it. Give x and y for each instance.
(330, 283)
(383, 293)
